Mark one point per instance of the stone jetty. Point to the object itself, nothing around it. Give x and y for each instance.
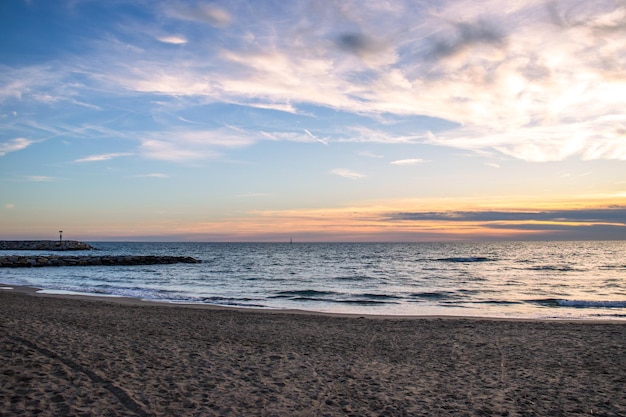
(56, 245)
(18, 261)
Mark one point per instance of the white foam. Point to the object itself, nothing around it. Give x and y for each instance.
(65, 292)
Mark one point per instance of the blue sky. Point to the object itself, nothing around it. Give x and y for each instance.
(317, 120)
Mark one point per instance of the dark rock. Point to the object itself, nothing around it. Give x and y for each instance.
(55, 245)
(14, 261)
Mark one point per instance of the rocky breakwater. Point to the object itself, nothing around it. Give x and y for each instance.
(44, 245)
(18, 261)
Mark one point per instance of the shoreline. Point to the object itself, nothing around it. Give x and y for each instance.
(138, 302)
(85, 356)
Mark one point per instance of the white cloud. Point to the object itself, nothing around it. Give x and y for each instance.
(493, 165)
(9, 206)
(413, 161)
(301, 137)
(13, 145)
(171, 151)
(497, 78)
(535, 82)
(287, 108)
(102, 157)
(362, 134)
(162, 78)
(590, 139)
(346, 173)
(173, 39)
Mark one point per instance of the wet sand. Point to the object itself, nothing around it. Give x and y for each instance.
(68, 356)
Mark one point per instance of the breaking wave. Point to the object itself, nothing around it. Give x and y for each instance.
(466, 259)
(552, 302)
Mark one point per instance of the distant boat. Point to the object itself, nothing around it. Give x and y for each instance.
(290, 240)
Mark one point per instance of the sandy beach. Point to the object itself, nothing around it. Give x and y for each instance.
(65, 356)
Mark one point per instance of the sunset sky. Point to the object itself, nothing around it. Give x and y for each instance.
(314, 120)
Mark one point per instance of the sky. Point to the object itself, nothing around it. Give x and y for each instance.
(313, 120)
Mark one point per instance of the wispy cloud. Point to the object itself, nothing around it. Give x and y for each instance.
(284, 107)
(182, 144)
(13, 145)
(413, 161)
(486, 70)
(346, 173)
(369, 154)
(173, 39)
(171, 151)
(322, 141)
(362, 134)
(154, 175)
(40, 178)
(9, 206)
(204, 13)
(616, 215)
(102, 157)
(185, 144)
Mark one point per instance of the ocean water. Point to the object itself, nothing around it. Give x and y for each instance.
(563, 280)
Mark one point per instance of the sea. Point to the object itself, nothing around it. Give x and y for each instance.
(528, 280)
